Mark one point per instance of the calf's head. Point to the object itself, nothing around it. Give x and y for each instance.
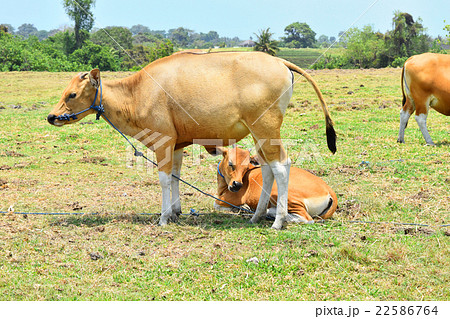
(235, 163)
(77, 96)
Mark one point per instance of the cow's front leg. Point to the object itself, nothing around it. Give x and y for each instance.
(164, 156)
(175, 184)
(165, 179)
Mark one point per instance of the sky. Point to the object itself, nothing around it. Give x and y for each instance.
(230, 18)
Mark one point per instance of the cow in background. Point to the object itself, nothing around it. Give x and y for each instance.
(425, 85)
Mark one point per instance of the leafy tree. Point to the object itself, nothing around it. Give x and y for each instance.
(63, 41)
(447, 28)
(118, 38)
(301, 33)
(3, 29)
(26, 30)
(211, 36)
(18, 54)
(146, 38)
(42, 34)
(139, 28)
(265, 43)
(80, 12)
(180, 36)
(323, 39)
(364, 47)
(96, 56)
(7, 28)
(139, 56)
(407, 37)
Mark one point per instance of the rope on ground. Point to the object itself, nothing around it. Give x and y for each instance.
(195, 213)
(369, 164)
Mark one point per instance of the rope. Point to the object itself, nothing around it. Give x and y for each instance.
(195, 213)
(368, 164)
(101, 112)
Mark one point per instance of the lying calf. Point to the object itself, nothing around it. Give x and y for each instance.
(240, 182)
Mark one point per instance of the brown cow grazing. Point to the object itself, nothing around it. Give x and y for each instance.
(206, 99)
(239, 182)
(425, 85)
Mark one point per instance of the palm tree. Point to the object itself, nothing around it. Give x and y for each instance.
(265, 43)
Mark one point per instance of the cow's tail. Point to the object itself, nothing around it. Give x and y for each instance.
(403, 86)
(331, 134)
(332, 206)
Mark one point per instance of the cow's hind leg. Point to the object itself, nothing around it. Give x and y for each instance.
(405, 114)
(281, 172)
(264, 198)
(276, 166)
(421, 120)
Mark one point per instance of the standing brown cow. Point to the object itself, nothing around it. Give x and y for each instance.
(425, 85)
(207, 99)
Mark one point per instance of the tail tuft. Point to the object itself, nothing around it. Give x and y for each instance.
(331, 135)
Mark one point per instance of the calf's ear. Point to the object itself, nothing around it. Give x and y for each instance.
(94, 78)
(254, 160)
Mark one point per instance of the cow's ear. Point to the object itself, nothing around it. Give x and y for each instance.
(83, 75)
(94, 78)
(254, 160)
(217, 150)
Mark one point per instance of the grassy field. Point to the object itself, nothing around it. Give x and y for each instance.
(305, 58)
(120, 254)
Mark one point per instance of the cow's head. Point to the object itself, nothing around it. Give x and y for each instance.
(235, 163)
(77, 96)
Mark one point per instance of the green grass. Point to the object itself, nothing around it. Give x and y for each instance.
(305, 58)
(83, 168)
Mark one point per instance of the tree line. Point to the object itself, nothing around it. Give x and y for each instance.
(119, 48)
(362, 47)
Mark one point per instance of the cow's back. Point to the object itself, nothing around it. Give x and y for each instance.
(224, 92)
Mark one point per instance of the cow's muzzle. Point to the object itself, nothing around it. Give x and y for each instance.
(51, 119)
(235, 186)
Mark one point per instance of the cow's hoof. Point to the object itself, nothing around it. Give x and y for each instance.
(278, 225)
(401, 141)
(254, 220)
(162, 224)
(430, 144)
(174, 217)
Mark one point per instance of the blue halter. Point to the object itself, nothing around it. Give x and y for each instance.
(218, 170)
(99, 108)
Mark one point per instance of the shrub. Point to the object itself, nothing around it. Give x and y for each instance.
(96, 56)
(399, 62)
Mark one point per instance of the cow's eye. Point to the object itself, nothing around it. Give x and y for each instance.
(72, 95)
(230, 163)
